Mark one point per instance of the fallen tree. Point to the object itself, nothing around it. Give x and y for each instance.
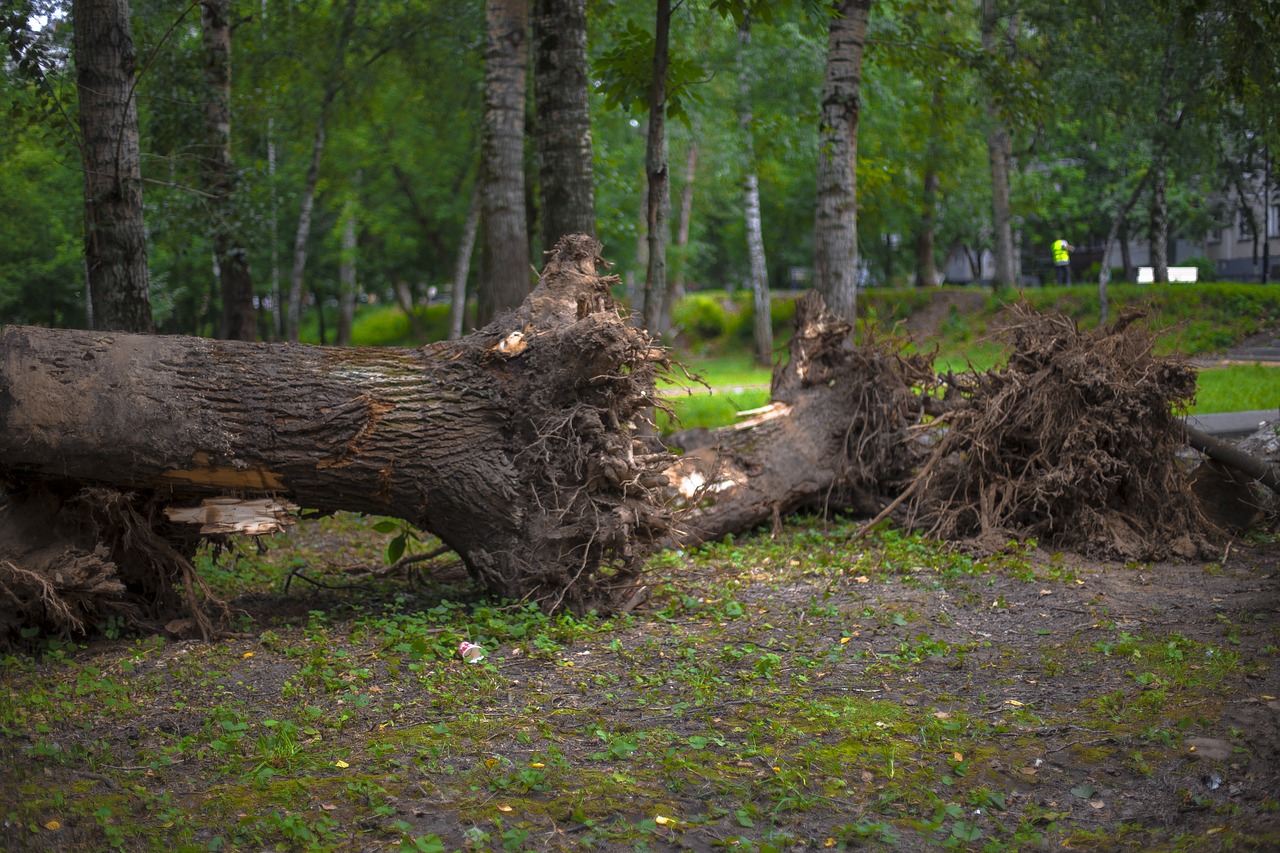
(841, 432)
(514, 446)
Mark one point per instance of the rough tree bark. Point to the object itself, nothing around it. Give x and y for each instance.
(658, 198)
(563, 124)
(115, 239)
(835, 233)
(239, 318)
(512, 445)
(1000, 155)
(504, 257)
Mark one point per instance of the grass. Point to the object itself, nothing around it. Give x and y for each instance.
(1231, 388)
(1237, 388)
(777, 692)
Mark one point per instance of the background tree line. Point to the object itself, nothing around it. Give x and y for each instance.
(291, 155)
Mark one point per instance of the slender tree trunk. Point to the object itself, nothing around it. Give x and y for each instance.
(563, 123)
(1000, 155)
(332, 85)
(462, 267)
(347, 287)
(239, 319)
(114, 231)
(1126, 259)
(504, 259)
(681, 242)
(277, 304)
(1159, 222)
(835, 243)
(763, 327)
(658, 200)
(1104, 272)
(926, 262)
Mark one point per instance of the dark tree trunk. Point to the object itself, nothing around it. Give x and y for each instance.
(504, 258)
(1159, 222)
(511, 445)
(658, 199)
(563, 123)
(1000, 156)
(835, 240)
(239, 319)
(114, 232)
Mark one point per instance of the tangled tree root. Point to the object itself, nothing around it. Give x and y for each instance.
(1073, 444)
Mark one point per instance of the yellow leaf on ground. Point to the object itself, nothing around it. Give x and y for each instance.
(341, 764)
(53, 826)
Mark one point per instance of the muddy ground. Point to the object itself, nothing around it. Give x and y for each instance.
(799, 692)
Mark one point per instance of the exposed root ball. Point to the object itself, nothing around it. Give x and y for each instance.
(1073, 444)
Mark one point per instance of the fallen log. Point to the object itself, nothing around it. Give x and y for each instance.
(1228, 454)
(513, 445)
(841, 432)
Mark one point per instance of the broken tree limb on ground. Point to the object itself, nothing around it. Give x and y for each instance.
(512, 445)
(841, 432)
(1229, 454)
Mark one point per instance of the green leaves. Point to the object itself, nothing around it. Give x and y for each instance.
(626, 74)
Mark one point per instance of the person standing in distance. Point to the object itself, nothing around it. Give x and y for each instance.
(1062, 261)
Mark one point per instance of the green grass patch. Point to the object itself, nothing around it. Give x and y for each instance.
(1237, 388)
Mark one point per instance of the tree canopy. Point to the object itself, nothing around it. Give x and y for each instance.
(1094, 95)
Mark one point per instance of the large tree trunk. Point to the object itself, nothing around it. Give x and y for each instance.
(512, 445)
(239, 318)
(563, 124)
(115, 239)
(835, 237)
(504, 258)
(658, 199)
(1000, 155)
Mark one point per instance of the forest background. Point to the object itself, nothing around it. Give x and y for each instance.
(1138, 120)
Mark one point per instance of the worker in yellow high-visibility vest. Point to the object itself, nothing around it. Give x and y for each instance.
(1062, 261)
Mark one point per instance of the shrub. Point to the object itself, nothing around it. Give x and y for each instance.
(1206, 270)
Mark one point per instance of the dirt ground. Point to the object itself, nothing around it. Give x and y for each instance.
(800, 692)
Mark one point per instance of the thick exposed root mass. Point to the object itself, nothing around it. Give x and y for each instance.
(1074, 444)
